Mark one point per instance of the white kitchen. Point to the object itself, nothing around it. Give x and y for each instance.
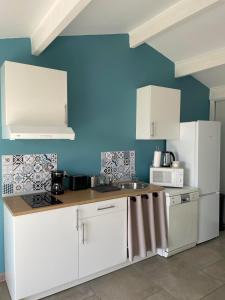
(111, 144)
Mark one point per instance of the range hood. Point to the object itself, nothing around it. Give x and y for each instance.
(38, 132)
(34, 102)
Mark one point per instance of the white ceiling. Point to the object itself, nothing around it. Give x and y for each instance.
(197, 34)
(19, 18)
(201, 33)
(115, 16)
(212, 77)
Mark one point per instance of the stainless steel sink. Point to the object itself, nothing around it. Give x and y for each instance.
(132, 185)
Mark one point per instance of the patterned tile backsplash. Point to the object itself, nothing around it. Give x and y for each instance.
(118, 164)
(26, 174)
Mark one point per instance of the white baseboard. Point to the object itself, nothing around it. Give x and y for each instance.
(2, 277)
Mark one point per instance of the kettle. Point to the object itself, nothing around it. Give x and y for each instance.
(167, 158)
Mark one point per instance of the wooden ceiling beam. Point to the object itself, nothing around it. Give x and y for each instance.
(199, 63)
(54, 22)
(172, 16)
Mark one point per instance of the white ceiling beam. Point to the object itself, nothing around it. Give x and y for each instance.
(217, 93)
(176, 13)
(199, 63)
(54, 22)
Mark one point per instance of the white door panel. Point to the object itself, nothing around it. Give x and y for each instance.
(186, 232)
(103, 242)
(208, 217)
(208, 156)
(46, 251)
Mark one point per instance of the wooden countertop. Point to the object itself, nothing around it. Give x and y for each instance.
(19, 207)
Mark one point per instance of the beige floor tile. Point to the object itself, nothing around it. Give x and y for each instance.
(80, 292)
(219, 294)
(186, 284)
(126, 284)
(217, 270)
(161, 295)
(218, 245)
(93, 298)
(4, 293)
(152, 264)
(197, 257)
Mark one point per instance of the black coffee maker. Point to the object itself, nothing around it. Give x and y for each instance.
(57, 178)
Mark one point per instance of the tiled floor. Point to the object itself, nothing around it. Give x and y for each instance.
(198, 273)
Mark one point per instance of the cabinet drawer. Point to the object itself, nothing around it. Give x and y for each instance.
(102, 207)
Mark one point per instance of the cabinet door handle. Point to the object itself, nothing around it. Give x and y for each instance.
(77, 226)
(106, 207)
(83, 238)
(152, 129)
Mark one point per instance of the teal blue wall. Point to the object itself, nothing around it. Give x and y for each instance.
(103, 74)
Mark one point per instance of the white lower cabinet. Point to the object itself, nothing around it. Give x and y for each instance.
(102, 236)
(45, 250)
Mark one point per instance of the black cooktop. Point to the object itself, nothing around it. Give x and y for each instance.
(40, 200)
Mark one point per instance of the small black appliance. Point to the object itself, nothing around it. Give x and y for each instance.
(57, 178)
(79, 182)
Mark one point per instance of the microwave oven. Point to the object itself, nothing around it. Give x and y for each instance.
(169, 177)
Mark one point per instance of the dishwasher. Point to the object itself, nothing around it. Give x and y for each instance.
(182, 219)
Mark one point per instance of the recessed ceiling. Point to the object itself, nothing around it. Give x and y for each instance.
(19, 18)
(115, 16)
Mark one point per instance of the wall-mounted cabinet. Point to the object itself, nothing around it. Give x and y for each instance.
(33, 102)
(157, 113)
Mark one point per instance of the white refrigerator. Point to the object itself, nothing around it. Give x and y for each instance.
(199, 151)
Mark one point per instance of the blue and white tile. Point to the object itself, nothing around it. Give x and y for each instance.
(7, 160)
(18, 188)
(17, 159)
(7, 178)
(28, 186)
(27, 173)
(28, 168)
(7, 188)
(119, 164)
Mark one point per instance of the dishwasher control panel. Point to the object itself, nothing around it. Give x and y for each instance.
(182, 198)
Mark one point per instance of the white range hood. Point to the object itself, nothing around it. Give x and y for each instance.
(34, 102)
(38, 132)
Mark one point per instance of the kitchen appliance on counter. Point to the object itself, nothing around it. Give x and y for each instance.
(57, 178)
(199, 149)
(168, 177)
(40, 200)
(167, 157)
(79, 182)
(157, 159)
(182, 219)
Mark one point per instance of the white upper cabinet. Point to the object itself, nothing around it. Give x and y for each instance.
(157, 113)
(34, 102)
